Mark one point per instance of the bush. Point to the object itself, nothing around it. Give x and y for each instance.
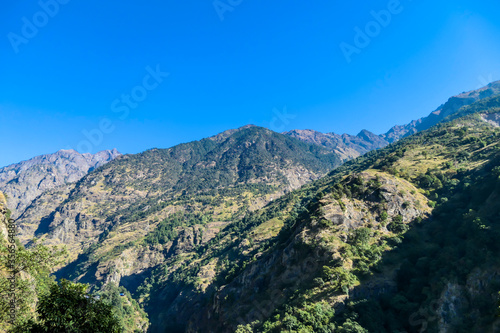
(397, 225)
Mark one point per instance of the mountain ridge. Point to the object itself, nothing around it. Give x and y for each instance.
(351, 146)
(191, 229)
(345, 145)
(26, 180)
(451, 106)
(242, 171)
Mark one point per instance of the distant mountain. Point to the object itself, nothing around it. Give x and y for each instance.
(24, 181)
(209, 182)
(346, 146)
(450, 107)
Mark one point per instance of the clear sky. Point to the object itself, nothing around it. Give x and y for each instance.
(91, 75)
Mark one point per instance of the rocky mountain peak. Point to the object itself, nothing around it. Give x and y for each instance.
(367, 135)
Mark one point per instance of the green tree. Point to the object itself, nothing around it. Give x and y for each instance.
(31, 271)
(351, 326)
(69, 308)
(244, 329)
(340, 277)
(362, 237)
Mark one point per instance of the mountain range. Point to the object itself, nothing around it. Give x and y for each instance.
(256, 231)
(25, 181)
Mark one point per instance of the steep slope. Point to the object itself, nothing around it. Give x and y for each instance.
(345, 145)
(432, 276)
(32, 270)
(24, 181)
(134, 213)
(134, 186)
(401, 239)
(183, 229)
(39, 209)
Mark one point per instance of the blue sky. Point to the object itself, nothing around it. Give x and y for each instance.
(92, 75)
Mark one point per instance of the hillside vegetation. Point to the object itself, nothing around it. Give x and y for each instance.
(138, 212)
(397, 240)
(252, 231)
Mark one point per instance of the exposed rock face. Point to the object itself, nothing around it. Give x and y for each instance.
(345, 145)
(493, 119)
(24, 181)
(459, 300)
(268, 283)
(32, 220)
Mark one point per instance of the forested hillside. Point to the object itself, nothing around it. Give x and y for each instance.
(397, 240)
(139, 211)
(244, 232)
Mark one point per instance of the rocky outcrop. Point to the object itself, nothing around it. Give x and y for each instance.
(493, 119)
(269, 283)
(459, 302)
(25, 181)
(34, 219)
